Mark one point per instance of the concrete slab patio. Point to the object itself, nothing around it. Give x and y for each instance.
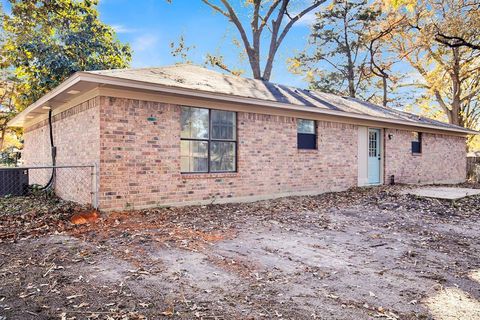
(446, 193)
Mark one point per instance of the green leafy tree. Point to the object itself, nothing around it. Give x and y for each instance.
(340, 58)
(8, 109)
(47, 41)
(8, 103)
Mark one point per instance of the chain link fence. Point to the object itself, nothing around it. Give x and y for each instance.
(74, 183)
(473, 168)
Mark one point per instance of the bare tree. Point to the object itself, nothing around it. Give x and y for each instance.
(274, 15)
(378, 35)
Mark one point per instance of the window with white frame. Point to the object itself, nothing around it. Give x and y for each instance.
(208, 140)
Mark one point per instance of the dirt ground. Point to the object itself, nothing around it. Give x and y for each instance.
(360, 254)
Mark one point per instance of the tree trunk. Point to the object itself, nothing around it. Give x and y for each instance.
(385, 91)
(2, 136)
(257, 24)
(268, 69)
(350, 65)
(456, 105)
(255, 64)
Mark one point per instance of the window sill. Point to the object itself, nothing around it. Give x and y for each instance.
(216, 175)
(416, 154)
(306, 150)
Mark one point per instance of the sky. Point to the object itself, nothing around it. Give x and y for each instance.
(151, 25)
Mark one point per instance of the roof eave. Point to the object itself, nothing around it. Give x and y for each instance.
(109, 80)
(142, 85)
(44, 100)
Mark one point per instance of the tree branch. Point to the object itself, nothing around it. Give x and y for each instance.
(216, 8)
(296, 18)
(455, 42)
(269, 14)
(276, 42)
(232, 16)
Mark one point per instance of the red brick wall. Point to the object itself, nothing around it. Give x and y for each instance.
(443, 158)
(76, 136)
(140, 159)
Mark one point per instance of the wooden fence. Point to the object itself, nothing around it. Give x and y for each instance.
(473, 168)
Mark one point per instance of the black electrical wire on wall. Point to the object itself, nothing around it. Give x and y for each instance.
(51, 182)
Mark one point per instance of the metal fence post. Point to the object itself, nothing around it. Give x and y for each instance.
(95, 178)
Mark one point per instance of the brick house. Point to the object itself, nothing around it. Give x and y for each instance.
(186, 135)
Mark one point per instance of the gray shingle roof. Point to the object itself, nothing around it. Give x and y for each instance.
(198, 78)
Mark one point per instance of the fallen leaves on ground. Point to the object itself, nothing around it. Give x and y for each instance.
(45, 274)
(38, 215)
(35, 215)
